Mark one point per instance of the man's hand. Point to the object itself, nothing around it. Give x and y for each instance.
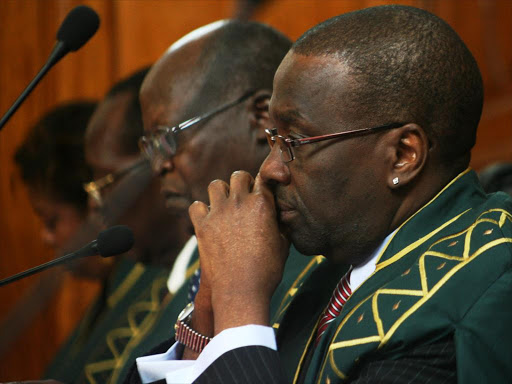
(242, 252)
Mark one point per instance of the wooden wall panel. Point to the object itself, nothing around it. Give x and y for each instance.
(153, 25)
(135, 33)
(28, 34)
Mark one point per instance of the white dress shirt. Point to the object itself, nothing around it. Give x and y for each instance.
(178, 273)
(168, 365)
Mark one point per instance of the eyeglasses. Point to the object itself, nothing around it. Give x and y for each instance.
(163, 144)
(94, 188)
(286, 144)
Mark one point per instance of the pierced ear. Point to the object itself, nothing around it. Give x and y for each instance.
(259, 116)
(410, 154)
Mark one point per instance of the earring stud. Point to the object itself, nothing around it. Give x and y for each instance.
(396, 181)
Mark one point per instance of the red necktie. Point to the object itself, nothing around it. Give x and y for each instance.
(339, 298)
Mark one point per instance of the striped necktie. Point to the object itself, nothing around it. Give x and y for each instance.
(339, 297)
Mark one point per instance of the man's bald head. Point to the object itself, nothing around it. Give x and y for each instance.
(222, 59)
(409, 66)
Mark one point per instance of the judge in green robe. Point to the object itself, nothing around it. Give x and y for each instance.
(443, 280)
(375, 114)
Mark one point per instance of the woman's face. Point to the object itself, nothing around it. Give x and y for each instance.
(60, 219)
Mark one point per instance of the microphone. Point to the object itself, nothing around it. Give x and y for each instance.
(110, 242)
(80, 24)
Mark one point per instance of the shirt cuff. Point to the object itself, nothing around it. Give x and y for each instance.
(154, 367)
(165, 365)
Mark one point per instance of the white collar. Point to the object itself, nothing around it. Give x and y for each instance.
(360, 273)
(179, 269)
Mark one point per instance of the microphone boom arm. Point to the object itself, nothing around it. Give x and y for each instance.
(88, 250)
(58, 52)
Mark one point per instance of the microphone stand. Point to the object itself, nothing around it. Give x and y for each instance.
(58, 52)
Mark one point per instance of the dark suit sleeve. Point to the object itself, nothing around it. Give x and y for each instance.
(249, 365)
(133, 376)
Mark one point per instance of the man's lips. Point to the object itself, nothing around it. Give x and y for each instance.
(283, 206)
(286, 212)
(174, 199)
(169, 194)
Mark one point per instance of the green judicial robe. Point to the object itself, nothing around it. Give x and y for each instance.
(134, 302)
(446, 272)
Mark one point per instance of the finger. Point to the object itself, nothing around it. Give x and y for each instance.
(240, 184)
(218, 192)
(262, 188)
(197, 212)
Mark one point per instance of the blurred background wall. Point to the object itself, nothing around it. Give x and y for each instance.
(134, 33)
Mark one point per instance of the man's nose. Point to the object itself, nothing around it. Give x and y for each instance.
(274, 170)
(162, 165)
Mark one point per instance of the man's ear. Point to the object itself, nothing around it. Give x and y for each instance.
(410, 148)
(258, 114)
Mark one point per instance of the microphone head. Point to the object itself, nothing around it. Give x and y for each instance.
(78, 27)
(115, 240)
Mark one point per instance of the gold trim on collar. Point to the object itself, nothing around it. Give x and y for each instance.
(306, 349)
(417, 212)
(384, 337)
(317, 260)
(417, 243)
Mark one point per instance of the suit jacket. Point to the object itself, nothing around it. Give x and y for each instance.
(438, 306)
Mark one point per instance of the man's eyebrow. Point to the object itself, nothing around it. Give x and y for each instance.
(289, 116)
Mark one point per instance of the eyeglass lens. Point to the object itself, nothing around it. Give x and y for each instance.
(159, 147)
(286, 151)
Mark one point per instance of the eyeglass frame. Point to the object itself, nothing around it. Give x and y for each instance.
(165, 130)
(290, 143)
(93, 188)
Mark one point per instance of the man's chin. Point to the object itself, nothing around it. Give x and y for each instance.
(302, 242)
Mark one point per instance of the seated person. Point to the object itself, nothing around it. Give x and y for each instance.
(225, 69)
(375, 114)
(123, 191)
(52, 165)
